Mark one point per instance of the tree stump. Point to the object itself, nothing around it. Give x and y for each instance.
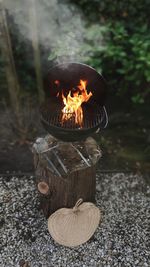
(65, 172)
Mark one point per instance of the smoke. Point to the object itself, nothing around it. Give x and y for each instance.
(60, 26)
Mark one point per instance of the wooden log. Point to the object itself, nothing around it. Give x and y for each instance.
(58, 190)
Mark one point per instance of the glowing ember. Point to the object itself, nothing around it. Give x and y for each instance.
(57, 82)
(73, 102)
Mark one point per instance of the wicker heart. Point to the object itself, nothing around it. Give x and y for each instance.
(73, 227)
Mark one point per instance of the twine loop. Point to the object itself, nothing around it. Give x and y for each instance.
(78, 203)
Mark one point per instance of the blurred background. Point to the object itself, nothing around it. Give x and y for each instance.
(111, 36)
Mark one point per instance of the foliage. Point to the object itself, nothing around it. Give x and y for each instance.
(124, 54)
(123, 57)
(131, 12)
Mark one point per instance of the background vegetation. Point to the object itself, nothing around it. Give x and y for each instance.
(116, 42)
(125, 57)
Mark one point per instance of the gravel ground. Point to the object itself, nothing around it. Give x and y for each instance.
(121, 239)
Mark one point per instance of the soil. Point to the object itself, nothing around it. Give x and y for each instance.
(16, 158)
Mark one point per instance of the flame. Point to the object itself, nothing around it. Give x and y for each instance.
(73, 101)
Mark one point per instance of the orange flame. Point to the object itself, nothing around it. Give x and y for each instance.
(73, 103)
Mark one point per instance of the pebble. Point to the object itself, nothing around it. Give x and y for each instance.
(120, 240)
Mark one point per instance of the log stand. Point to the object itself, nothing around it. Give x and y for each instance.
(65, 172)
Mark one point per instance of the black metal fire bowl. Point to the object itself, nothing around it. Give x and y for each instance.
(95, 115)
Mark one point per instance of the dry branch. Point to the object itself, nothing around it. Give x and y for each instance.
(10, 69)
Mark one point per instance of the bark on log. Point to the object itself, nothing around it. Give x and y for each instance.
(63, 191)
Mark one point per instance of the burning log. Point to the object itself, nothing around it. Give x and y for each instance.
(65, 172)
